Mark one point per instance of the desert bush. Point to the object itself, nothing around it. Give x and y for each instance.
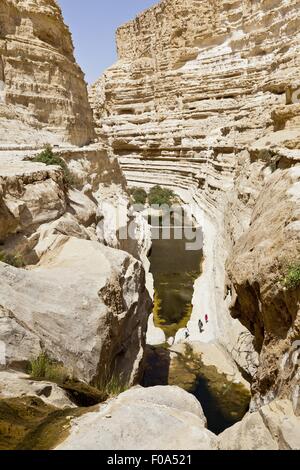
(115, 386)
(292, 277)
(43, 367)
(112, 384)
(12, 259)
(49, 158)
(139, 195)
(160, 196)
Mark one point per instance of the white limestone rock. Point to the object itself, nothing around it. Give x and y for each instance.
(155, 335)
(273, 427)
(17, 384)
(158, 418)
(84, 304)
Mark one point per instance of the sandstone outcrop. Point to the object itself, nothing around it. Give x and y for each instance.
(262, 301)
(31, 194)
(17, 384)
(35, 199)
(90, 314)
(43, 96)
(203, 99)
(158, 418)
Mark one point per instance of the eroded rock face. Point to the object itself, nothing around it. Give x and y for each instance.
(90, 313)
(43, 97)
(257, 268)
(204, 99)
(158, 418)
(30, 195)
(47, 220)
(196, 81)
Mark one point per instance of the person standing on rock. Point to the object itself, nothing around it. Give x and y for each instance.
(200, 323)
(206, 318)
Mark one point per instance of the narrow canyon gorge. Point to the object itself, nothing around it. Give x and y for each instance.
(111, 335)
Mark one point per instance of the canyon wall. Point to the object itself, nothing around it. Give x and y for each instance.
(70, 288)
(204, 99)
(43, 96)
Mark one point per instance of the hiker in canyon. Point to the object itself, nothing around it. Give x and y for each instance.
(206, 318)
(201, 326)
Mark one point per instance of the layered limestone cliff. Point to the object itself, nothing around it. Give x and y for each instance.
(43, 97)
(70, 293)
(204, 99)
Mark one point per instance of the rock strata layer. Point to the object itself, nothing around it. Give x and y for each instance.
(204, 98)
(43, 96)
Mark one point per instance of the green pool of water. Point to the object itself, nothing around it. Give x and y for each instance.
(174, 269)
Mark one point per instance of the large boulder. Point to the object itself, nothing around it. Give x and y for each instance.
(157, 418)
(273, 427)
(15, 384)
(30, 195)
(84, 304)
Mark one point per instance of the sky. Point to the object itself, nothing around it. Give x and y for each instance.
(93, 24)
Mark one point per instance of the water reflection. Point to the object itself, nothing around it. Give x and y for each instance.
(175, 268)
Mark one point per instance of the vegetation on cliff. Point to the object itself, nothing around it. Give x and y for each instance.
(43, 367)
(156, 196)
(12, 259)
(292, 278)
(160, 196)
(139, 195)
(48, 157)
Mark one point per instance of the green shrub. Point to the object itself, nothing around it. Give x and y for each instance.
(11, 259)
(159, 195)
(292, 278)
(115, 386)
(139, 195)
(49, 158)
(44, 368)
(111, 385)
(38, 366)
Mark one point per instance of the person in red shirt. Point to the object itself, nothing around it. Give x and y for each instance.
(206, 318)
